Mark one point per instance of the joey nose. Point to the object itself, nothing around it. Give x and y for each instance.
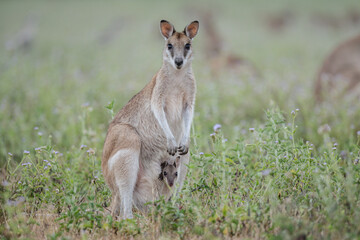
(178, 62)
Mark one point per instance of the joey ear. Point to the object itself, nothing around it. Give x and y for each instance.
(192, 29)
(166, 29)
(177, 161)
(163, 165)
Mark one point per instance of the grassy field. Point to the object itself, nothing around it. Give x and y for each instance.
(280, 167)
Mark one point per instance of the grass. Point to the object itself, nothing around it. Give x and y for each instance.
(270, 172)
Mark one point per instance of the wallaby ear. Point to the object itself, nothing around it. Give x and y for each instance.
(163, 165)
(192, 29)
(166, 29)
(177, 161)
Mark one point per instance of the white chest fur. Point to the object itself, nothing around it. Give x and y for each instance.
(174, 104)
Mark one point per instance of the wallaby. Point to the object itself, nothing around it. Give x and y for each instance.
(169, 172)
(339, 75)
(151, 187)
(154, 123)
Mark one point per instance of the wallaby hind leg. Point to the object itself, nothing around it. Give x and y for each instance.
(125, 166)
(182, 171)
(115, 205)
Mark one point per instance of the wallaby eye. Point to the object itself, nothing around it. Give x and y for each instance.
(187, 46)
(176, 174)
(165, 173)
(170, 46)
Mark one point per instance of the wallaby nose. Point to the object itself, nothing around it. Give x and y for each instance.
(171, 184)
(178, 61)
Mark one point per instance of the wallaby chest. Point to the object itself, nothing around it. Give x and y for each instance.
(178, 96)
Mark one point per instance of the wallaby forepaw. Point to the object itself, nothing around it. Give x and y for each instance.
(172, 147)
(183, 149)
(171, 150)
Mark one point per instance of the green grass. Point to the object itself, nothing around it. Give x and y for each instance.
(285, 179)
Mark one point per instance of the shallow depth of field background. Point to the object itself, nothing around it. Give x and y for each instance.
(62, 62)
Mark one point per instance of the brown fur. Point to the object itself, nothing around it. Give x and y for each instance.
(340, 72)
(154, 123)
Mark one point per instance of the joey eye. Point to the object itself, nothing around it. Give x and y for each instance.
(165, 173)
(187, 46)
(170, 46)
(176, 174)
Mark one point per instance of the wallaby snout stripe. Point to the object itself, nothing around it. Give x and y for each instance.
(123, 153)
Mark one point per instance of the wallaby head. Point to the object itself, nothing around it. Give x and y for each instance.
(178, 49)
(169, 171)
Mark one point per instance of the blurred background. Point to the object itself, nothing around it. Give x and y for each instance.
(61, 62)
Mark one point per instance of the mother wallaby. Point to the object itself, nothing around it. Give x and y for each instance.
(155, 121)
